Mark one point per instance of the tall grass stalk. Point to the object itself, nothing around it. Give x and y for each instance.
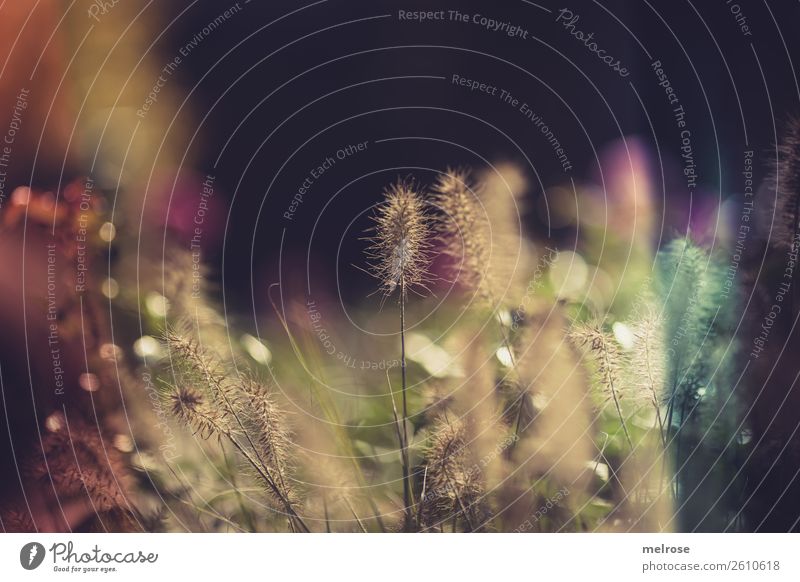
(465, 232)
(607, 358)
(211, 414)
(399, 259)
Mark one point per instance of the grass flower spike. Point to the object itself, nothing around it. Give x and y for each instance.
(399, 257)
(785, 179)
(453, 488)
(400, 251)
(464, 230)
(606, 354)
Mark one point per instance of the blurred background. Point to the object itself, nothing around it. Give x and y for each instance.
(211, 149)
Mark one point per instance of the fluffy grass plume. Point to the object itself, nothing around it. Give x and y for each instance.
(608, 360)
(464, 231)
(264, 418)
(785, 180)
(452, 487)
(78, 460)
(191, 407)
(513, 255)
(399, 255)
(465, 234)
(237, 408)
(646, 361)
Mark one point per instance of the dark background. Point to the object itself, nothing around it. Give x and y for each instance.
(726, 91)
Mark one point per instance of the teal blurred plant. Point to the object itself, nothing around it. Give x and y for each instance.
(701, 411)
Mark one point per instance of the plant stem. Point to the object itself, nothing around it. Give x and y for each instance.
(246, 513)
(523, 396)
(261, 466)
(355, 515)
(610, 379)
(621, 417)
(325, 508)
(263, 470)
(669, 414)
(265, 475)
(422, 495)
(406, 476)
(653, 390)
(327, 405)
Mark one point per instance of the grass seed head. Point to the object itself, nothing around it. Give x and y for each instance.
(464, 230)
(190, 407)
(605, 352)
(785, 179)
(453, 485)
(399, 255)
